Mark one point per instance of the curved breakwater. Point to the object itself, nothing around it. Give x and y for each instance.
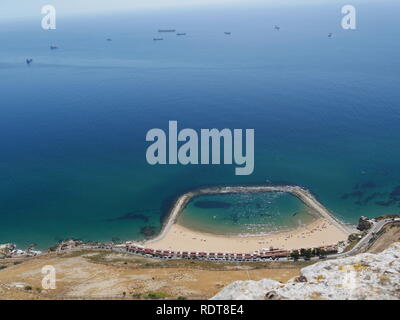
(304, 195)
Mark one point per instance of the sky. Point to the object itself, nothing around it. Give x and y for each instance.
(29, 8)
(11, 9)
(20, 9)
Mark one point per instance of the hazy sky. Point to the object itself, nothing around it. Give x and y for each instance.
(26, 8)
(10, 9)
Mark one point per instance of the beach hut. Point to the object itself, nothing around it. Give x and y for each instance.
(280, 254)
(140, 249)
(248, 256)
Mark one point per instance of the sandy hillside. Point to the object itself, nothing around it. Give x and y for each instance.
(108, 275)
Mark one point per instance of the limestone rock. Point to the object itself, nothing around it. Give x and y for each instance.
(364, 276)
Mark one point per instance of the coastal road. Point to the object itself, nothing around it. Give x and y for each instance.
(377, 226)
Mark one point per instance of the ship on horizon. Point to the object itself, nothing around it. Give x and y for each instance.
(166, 30)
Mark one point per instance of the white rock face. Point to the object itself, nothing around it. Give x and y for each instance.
(365, 276)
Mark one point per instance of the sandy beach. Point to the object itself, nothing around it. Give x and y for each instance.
(326, 230)
(318, 233)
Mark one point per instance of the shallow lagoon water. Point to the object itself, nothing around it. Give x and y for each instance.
(259, 213)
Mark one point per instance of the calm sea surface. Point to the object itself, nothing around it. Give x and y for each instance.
(326, 113)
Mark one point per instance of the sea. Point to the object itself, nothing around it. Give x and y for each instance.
(325, 110)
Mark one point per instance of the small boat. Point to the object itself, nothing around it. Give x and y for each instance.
(109, 39)
(227, 33)
(181, 34)
(166, 30)
(330, 35)
(54, 47)
(158, 39)
(29, 61)
(277, 27)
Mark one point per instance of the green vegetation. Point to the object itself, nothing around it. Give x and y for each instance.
(317, 252)
(28, 288)
(295, 255)
(2, 267)
(307, 254)
(155, 295)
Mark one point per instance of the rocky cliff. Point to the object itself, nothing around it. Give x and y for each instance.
(364, 223)
(364, 276)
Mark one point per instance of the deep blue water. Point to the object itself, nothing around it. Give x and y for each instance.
(73, 125)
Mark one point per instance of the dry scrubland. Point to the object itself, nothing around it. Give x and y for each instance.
(388, 235)
(104, 274)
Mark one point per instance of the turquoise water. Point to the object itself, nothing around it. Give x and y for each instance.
(73, 125)
(246, 213)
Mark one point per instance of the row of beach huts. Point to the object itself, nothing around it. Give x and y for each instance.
(272, 254)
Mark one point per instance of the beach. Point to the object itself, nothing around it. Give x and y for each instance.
(321, 232)
(324, 231)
